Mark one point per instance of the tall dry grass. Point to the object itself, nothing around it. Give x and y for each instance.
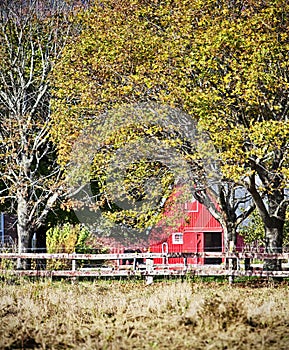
(129, 315)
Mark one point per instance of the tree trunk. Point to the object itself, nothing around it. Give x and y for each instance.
(232, 236)
(273, 215)
(274, 226)
(274, 242)
(41, 247)
(24, 234)
(230, 242)
(24, 246)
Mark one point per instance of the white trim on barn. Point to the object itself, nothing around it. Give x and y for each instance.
(177, 238)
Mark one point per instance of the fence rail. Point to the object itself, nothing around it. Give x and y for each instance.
(120, 256)
(149, 269)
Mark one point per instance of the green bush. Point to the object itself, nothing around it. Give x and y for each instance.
(70, 239)
(254, 230)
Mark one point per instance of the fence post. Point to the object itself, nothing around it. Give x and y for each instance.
(232, 262)
(73, 268)
(149, 270)
(185, 260)
(247, 264)
(165, 250)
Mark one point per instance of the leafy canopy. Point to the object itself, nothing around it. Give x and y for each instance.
(225, 63)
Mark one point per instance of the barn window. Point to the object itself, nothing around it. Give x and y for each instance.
(178, 238)
(192, 206)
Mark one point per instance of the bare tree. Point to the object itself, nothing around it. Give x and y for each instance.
(32, 36)
(230, 204)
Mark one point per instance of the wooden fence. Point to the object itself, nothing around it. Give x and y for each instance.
(109, 265)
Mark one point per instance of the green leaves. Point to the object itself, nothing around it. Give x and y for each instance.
(124, 54)
(224, 63)
(239, 54)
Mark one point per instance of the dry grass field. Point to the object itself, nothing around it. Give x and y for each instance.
(130, 315)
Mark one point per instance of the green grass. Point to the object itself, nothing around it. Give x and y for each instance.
(130, 315)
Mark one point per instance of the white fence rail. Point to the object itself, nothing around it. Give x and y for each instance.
(110, 265)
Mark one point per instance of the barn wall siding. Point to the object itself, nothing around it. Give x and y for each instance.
(198, 223)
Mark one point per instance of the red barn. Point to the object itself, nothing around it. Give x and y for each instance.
(199, 232)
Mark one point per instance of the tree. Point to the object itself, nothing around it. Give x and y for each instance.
(135, 54)
(230, 204)
(130, 169)
(32, 36)
(253, 230)
(239, 65)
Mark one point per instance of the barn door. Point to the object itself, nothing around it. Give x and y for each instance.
(213, 243)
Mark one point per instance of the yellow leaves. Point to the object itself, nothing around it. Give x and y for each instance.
(242, 82)
(285, 172)
(261, 142)
(270, 134)
(225, 66)
(134, 48)
(228, 79)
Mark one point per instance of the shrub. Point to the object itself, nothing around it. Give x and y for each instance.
(70, 239)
